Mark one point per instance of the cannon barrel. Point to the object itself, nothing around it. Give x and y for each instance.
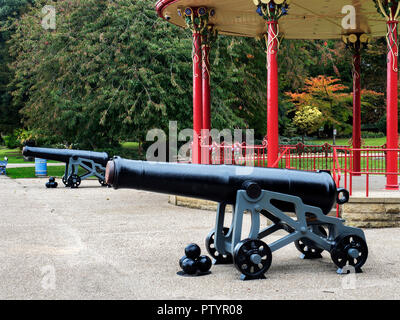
(63, 155)
(221, 183)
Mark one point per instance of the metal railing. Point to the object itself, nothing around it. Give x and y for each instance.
(372, 162)
(337, 159)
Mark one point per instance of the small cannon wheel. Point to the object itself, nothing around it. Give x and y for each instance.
(210, 246)
(350, 250)
(252, 257)
(103, 183)
(307, 247)
(74, 181)
(65, 181)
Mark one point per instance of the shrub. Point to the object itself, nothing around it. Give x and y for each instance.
(369, 134)
(11, 141)
(295, 140)
(129, 153)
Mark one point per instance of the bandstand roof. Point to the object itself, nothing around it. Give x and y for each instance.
(307, 19)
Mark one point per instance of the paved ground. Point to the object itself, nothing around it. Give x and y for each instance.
(100, 243)
(377, 185)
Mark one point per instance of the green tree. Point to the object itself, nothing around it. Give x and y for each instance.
(326, 94)
(9, 116)
(114, 70)
(307, 120)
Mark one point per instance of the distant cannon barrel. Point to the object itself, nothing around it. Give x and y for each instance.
(64, 155)
(92, 163)
(221, 183)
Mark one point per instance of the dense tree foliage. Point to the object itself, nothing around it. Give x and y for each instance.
(307, 119)
(9, 116)
(326, 94)
(112, 70)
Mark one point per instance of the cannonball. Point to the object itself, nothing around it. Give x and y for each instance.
(203, 263)
(189, 266)
(192, 251)
(181, 260)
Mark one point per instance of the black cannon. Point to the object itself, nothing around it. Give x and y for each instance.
(93, 163)
(272, 193)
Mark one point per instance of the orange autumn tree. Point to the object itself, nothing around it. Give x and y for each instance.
(328, 96)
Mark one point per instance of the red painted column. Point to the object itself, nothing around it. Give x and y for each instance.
(206, 100)
(197, 98)
(357, 110)
(206, 88)
(272, 94)
(392, 105)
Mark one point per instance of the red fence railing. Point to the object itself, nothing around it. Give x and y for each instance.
(372, 162)
(337, 159)
(300, 156)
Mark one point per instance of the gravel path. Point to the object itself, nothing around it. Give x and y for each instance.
(100, 243)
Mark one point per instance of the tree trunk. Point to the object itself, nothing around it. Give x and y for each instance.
(140, 148)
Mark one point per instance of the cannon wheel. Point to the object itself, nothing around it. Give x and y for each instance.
(210, 246)
(252, 257)
(103, 183)
(65, 181)
(350, 250)
(74, 181)
(307, 247)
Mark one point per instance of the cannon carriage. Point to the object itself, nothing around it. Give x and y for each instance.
(92, 162)
(272, 193)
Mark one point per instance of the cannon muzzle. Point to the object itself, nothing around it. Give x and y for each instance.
(64, 155)
(221, 183)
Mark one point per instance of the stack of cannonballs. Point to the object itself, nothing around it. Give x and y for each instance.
(194, 264)
(52, 183)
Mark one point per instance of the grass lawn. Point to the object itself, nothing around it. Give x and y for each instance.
(130, 145)
(15, 156)
(29, 172)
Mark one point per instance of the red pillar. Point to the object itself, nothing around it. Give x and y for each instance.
(272, 94)
(357, 110)
(197, 98)
(392, 105)
(206, 88)
(206, 101)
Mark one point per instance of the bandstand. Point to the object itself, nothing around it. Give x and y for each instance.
(352, 21)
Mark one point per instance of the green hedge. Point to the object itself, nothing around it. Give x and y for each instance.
(370, 134)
